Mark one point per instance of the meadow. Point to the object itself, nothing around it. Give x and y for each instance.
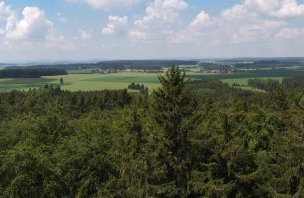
(114, 81)
(83, 82)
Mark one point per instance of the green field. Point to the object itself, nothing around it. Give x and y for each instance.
(23, 83)
(90, 82)
(83, 82)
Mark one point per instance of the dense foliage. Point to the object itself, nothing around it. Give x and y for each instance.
(293, 84)
(31, 73)
(267, 85)
(139, 87)
(185, 139)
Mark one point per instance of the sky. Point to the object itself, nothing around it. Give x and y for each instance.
(85, 30)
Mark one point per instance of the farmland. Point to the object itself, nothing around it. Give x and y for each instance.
(121, 80)
(83, 82)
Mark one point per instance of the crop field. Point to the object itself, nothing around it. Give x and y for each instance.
(90, 82)
(23, 83)
(83, 82)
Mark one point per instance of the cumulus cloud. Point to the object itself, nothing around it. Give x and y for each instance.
(58, 42)
(276, 8)
(116, 25)
(138, 34)
(245, 25)
(160, 17)
(33, 25)
(5, 11)
(85, 35)
(256, 32)
(290, 33)
(247, 22)
(107, 4)
(201, 20)
(30, 29)
(161, 12)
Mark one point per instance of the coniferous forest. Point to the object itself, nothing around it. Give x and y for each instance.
(31, 73)
(186, 139)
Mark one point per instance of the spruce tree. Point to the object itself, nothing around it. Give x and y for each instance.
(174, 108)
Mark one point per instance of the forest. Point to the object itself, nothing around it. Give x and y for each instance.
(139, 87)
(114, 64)
(31, 73)
(251, 63)
(186, 139)
(291, 83)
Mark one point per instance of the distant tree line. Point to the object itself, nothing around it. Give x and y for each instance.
(269, 85)
(31, 73)
(253, 63)
(269, 64)
(215, 66)
(118, 65)
(139, 87)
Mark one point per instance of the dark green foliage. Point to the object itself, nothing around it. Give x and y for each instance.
(267, 85)
(294, 83)
(186, 139)
(31, 73)
(173, 111)
(290, 84)
(138, 87)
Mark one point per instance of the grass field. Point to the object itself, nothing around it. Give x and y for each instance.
(23, 83)
(83, 82)
(90, 82)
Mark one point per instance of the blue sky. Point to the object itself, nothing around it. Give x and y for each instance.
(40, 30)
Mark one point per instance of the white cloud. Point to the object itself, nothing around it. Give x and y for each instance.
(61, 17)
(290, 33)
(264, 6)
(256, 32)
(116, 25)
(107, 4)
(5, 11)
(251, 21)
(138, 34)
(85, 35)
(236, 13)
(30, 29)
(276, 8)
(58, 41)
(161, 17)
(33, 25)
(201, 20)
(161, 12)
(250, 27)
(290, 8)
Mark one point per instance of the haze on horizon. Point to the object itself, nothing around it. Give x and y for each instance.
(33, 30)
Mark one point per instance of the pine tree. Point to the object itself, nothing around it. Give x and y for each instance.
(173, 111)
